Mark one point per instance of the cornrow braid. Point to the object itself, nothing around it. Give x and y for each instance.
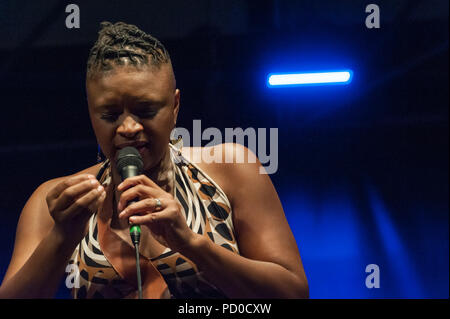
(119, 41)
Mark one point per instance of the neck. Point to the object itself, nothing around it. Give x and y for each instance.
(162, 174)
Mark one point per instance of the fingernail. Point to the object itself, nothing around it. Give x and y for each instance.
(100, 188)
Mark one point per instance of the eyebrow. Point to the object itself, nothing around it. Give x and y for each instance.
(107, 106)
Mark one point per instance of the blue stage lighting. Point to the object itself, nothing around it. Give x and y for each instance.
(311, 78)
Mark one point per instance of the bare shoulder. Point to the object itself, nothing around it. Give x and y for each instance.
(35, 219)
(228, 164)
(260, 225)
(35, 222)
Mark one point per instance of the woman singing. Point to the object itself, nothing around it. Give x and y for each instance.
(209, 230)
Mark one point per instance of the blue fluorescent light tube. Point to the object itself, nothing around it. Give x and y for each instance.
(338, 77)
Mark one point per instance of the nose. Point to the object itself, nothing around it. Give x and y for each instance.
(129, 127)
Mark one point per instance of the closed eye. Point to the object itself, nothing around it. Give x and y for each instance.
(146, 114)
(110, 117)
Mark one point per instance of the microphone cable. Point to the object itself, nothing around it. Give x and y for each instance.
(135, 233)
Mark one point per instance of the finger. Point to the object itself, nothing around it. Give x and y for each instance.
(147, 205)
(71, 194)
(145, 219)
(163, 215)
(59, 188)
(94, 206)
(135, 180)
(82, 204)
(137, 192)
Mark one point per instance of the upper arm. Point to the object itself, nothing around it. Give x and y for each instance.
(34, 224)
(262, 230)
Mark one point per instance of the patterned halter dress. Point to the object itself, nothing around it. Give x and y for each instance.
(208, 213)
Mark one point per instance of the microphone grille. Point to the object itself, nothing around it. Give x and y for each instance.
(129, 156)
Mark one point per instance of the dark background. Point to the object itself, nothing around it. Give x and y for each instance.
(363, 168)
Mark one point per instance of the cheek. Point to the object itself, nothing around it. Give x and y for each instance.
(160, 128)
(105, 138)
(158, 133)
(156, 136)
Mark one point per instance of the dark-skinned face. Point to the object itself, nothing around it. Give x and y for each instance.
(130, 104)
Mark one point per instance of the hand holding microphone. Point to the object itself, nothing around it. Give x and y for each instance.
(143, 202)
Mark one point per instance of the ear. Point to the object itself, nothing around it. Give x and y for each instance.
(176, 106)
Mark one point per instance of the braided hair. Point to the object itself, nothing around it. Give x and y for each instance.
(120, 42)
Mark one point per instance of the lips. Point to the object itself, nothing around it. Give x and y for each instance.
(142, 148)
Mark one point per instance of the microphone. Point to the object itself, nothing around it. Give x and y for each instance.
(129, 163)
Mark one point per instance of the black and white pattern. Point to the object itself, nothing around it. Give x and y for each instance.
(207, 211)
